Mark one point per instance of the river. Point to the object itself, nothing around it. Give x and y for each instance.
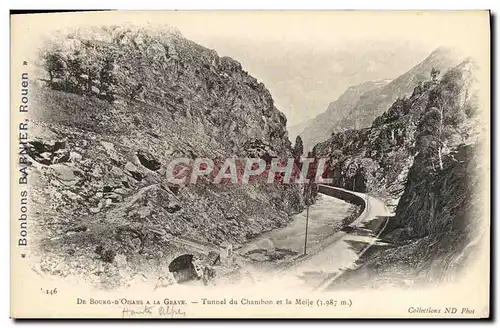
(271, 249)
(277, 257)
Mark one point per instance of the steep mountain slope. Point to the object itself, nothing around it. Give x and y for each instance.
(436, 233)
(361, 109)
(295, 130)
(424, 149)
(377, 159)
(115, 107)
(374, 103)
(319, 129)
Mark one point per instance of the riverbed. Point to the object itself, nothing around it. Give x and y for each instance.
(277, 258)
(272, 248)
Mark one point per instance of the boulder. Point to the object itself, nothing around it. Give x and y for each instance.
(173, 207)
(134, 171)
(47, 153)
(120, 260)
(60, 156)
(148, 160)
(114, 197)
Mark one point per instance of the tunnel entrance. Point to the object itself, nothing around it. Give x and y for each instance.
(183, 269)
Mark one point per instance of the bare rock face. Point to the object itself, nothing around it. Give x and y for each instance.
(448, 201)
(427, 145)
(148, 160)
(133, 171)
(162, 97)
(259, 149)
(48, 153)
(378, 159)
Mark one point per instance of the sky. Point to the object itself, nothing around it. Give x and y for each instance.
(306, 58)
(303, 78)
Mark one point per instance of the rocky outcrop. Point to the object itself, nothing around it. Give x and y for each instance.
(148, 160)
(435, 232)
(160, 98)
(377, 159)
(47, 153)
(435, 203)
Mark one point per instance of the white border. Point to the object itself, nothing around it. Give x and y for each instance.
(494, 5)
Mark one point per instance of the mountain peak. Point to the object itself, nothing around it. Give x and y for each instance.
(450, 56)
(360, 104)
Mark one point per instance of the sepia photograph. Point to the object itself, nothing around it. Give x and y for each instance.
(250, 164)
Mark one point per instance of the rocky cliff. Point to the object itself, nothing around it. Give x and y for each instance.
(427, 144)
(114, 107)
(377, 159)
(435, 234)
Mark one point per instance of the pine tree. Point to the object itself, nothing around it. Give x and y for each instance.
(107, 79)
(298, 149)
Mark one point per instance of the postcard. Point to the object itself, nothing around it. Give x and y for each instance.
(250, 164)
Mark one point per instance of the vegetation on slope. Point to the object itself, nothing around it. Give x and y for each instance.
(114, 107)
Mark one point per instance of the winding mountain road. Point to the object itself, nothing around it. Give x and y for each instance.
(340, 250)
(376, 213)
